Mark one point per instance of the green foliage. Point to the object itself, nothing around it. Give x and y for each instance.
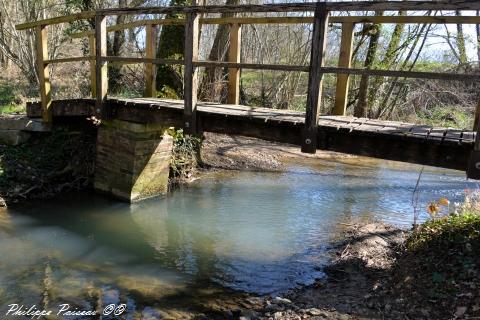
(7, 95)
(12, 109)
(433, 66)
(9, 100)
(126, 92)
(449, 231)
(446, 117)
(170, 85)
(443, 255)
(186, 154)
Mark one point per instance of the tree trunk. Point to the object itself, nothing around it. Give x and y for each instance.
(213, 84)
(171, 46)
(3, 58)
(462, 51)
(478, 40)
(114, 49)
(361, 107)
(387, 62)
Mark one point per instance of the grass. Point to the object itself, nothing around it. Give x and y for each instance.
(12, 109)
(446, 117)
(10, 101)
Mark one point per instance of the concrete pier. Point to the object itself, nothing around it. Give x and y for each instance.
(133, 160)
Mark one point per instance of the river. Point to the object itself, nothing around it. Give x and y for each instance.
(257, 232)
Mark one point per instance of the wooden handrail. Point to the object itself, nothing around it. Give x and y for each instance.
(292, 7)
(70, 59)
(305, 7)
(46, 22)
(294, 20)
(404, 74)
(134, 60)
(296, 68)
(252, 66)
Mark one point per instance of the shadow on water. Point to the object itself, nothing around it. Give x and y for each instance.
(255, 232)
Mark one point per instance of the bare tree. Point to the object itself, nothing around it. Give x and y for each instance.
(477, 27)
(213, 83)
(362, 103)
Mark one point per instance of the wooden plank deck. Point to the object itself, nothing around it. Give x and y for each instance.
(422, 144)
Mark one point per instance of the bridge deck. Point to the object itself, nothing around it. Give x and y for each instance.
(422, 144)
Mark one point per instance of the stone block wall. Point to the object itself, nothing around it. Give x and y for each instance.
(133, 160)
(16, 129)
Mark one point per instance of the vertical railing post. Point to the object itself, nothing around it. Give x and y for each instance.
(234, 56)
(473, 170)
(43, 73)
(101, 72)
(190, 76)
(150, 53)
(344, 61)
(93, 76)
(314, 91)
(476, 120)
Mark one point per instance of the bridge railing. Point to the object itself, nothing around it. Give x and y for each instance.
(99, 59)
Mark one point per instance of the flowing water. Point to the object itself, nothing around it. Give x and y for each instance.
(257, 232)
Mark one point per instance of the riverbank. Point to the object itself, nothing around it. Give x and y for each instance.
(375, 273)
(361, 261)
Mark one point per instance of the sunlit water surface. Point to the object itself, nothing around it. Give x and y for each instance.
(250, 231)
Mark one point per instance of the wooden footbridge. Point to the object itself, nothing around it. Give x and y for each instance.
(442, 147)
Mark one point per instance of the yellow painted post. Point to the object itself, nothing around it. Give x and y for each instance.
(101, 71)
(93, 77)
(234, 56)
(43, 73)
(341, 94)
(150, 53)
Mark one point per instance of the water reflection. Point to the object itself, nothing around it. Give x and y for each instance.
(257, 232)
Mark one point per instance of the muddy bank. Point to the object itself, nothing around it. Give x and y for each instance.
(228, 152)
(368, 278)
(361, 262)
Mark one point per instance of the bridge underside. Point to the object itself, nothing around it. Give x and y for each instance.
(421, 144)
